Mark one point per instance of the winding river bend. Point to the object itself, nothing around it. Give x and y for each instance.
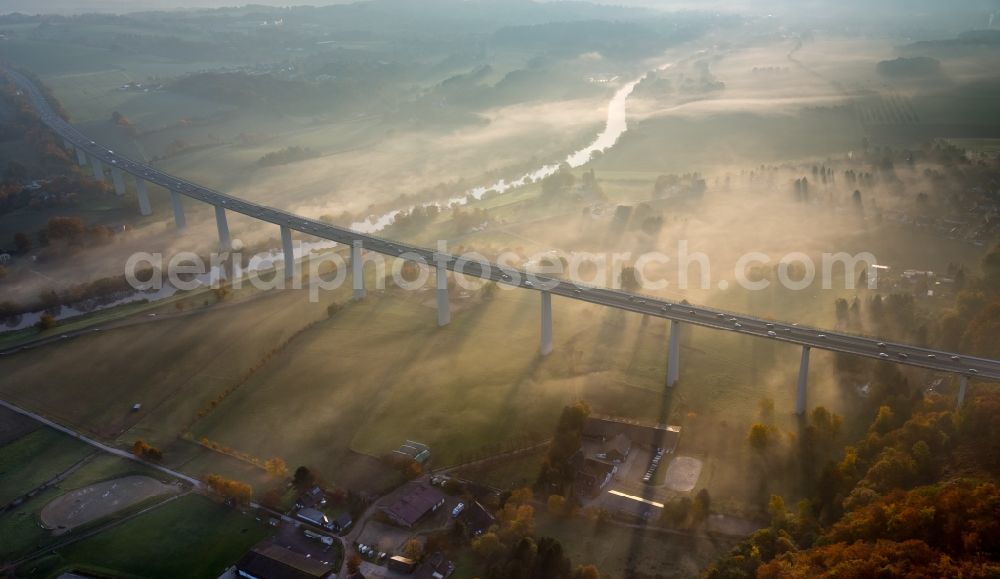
(614, 128)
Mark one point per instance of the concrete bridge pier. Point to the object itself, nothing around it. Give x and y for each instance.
(546, 345)
(674, 353)
(225, 243)
(119, 180)
(358, 270)
(140, 192)
(963, 385)
(98, 168)
(289, 251)
(179, 219)
(800, 392)
(81, 157)
(444, 308)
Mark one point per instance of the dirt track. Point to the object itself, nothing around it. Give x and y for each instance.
(93, 502)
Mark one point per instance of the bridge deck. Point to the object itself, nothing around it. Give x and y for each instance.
(698, 315)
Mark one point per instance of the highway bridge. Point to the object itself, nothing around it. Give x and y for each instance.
(679, 314)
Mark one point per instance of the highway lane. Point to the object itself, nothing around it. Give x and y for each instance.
(691, 314)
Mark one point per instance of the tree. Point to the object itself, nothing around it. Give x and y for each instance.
(557, 505)
(353, 563)
(276, 467)
(487, 546)
(303, 478)
(885, 420)
(234, 490)
(143, 449)
(272, 498)
(557, 473)
(69, 229)
(46, 322)
(413, 549)
(760, 437)
(702, 506)
(776, 508)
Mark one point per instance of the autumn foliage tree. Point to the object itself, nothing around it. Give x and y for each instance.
(143, 449)
(238, 491)
(276, 467)
(915, 497)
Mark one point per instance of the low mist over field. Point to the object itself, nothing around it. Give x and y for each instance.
(499, 289)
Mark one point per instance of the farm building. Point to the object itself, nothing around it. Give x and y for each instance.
(437, 566)
(632, 508)
(401, 564)
(592, 475)
(415, 450)
(312, 498)
(617, 448)
(477, 519)
(276, 562)
(315, 517)
(342, 523)
(414, 504)
(606, 428)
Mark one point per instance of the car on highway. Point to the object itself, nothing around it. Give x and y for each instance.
(457, 510)
(772, 334)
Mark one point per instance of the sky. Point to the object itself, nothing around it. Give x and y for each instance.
(882, 10)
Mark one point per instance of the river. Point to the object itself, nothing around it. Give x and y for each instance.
(614, 128)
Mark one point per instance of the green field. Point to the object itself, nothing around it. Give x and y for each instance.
(173, 367)
(509, 473)
(38, 457)
(34, 459)
(191, 537)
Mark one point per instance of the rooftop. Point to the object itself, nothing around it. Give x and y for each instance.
(437, 566)
(414, 503)
(276, 562)
(647, 434)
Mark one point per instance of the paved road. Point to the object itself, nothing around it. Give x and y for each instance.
(197, 484)
(697, 315)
